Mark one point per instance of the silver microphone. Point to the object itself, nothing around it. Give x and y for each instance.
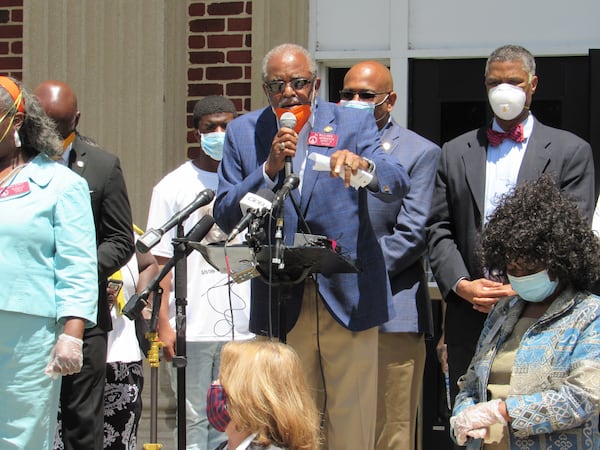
(288, 120)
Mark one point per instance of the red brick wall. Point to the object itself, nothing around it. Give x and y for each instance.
(219, 48)
(11, 38)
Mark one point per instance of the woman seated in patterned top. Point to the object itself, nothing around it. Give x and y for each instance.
(534, 382)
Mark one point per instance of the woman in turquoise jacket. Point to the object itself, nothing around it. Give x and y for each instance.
(534, 382)
(48, 270)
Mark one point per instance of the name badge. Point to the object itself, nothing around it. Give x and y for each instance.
(322, 139)
(14, 189)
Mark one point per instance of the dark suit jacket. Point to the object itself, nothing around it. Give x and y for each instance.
(400, 228)
(357, 302)
(456, 215)
(112, 214)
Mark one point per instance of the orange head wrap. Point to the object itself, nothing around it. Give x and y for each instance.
(14, 91)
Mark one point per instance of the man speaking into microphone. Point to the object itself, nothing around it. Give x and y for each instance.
(349, 307)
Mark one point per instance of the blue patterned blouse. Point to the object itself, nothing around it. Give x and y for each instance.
(554, 392)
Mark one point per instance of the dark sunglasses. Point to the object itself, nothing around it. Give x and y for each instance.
(278, 86)
(348, 94)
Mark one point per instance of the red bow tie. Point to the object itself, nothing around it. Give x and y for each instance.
(495, 138)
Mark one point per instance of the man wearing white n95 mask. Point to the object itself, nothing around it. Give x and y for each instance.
(475, 169)
(210, 322)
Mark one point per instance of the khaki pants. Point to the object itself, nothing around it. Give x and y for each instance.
(401, 366)
(349, 361)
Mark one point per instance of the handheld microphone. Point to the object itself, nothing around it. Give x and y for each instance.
(288, 120)
(138, 301)
(290, 183)
(252, 205)
(153, 236)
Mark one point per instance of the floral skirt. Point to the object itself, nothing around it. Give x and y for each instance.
(122, 404)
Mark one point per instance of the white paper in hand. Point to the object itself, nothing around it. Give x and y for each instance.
(361, 179)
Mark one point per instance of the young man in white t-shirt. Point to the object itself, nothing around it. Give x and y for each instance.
(211, 320)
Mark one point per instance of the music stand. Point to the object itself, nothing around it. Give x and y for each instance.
(299, 263)
(241, 259)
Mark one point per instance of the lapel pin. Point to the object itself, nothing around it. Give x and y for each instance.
(328, 129)
(80, 163)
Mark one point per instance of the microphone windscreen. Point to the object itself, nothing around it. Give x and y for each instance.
(288, 120)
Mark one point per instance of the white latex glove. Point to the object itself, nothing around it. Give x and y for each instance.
(479, 433)
(475, 420)
(66, 357)
(461, 438)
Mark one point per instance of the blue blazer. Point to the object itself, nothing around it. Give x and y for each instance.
(357, 302)
(400, 228)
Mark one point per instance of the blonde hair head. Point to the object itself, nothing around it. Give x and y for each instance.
(267, 394)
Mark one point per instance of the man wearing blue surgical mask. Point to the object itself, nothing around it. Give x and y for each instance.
(368, 85)
(400, 229)
(211, 319)
(475, 170)
(209, 130)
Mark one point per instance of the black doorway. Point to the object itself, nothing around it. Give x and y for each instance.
(448, 98)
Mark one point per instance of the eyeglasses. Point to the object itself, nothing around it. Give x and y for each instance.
(278, 86)
(348, 94)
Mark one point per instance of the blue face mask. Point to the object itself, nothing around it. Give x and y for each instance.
(212, 144)
(535, 287)
(357, 104)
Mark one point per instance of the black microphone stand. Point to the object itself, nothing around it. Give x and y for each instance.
(133, 308)
(154, 363)
(180, 358)
(133, 311)
(278, 261)
(283, 293)
(279, 245)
